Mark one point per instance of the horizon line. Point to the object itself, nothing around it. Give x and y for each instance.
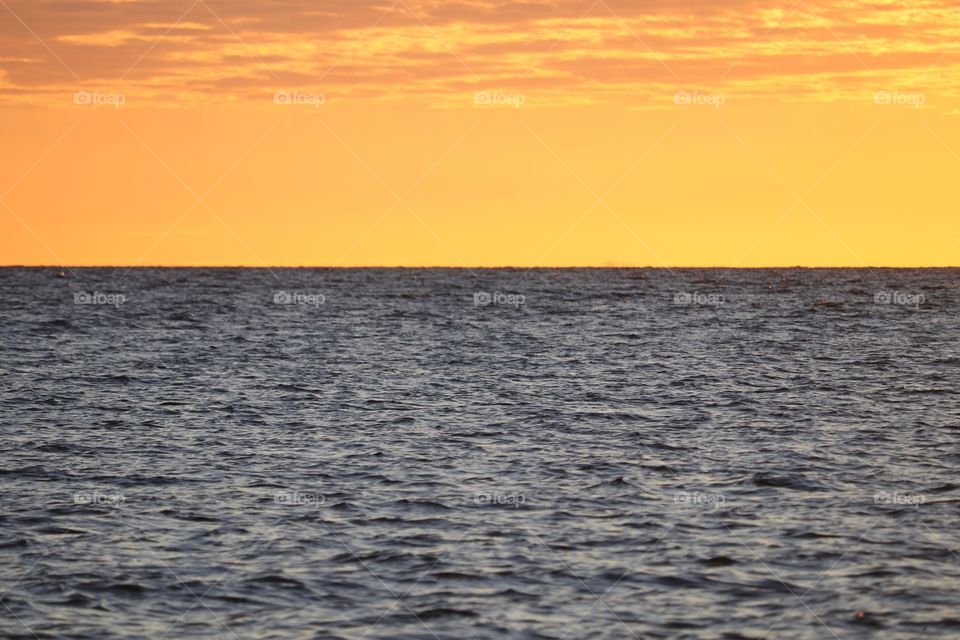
(465, 268)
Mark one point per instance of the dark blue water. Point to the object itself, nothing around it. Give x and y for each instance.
(230, 453)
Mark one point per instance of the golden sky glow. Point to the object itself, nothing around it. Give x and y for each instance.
(479, 132)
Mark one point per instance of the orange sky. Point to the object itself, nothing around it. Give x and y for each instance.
(479, 132)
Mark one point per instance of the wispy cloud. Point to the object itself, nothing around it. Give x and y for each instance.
(556, 51)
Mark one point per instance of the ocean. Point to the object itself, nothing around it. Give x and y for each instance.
(488, 453)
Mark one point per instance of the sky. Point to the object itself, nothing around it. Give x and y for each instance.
(743, 133)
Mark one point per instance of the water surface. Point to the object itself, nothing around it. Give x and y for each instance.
(486, 454)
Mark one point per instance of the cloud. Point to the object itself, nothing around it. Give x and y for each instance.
(164, 51)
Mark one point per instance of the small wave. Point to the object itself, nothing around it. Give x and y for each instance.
(794, 481)
(444, 612)
(276, 580)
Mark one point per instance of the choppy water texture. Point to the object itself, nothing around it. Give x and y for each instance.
(627, 453)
